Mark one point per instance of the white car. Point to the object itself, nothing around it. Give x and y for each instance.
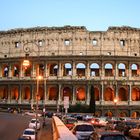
(32, 113)
(35, 124)
(30, 133)
(83, 130)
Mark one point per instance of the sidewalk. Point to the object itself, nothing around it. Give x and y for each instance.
(45, 133)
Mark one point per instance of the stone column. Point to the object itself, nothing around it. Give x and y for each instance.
(102, 93)
(45, 89)
(88, 94)
(10, 71)
(20, 94)
(59, 70)
(130, 94)
(74, 69)
(74, 95)
(9, 94)
(88, 70)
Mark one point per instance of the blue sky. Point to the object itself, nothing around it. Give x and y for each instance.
(94, 14)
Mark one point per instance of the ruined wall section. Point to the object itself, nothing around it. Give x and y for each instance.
(70, 40)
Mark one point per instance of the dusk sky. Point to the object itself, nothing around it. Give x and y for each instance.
(93, 14)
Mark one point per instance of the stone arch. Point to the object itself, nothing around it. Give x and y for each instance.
(53, 93)
(121, 69)
(14, 93)
(26, 93)
(53, 69)
(67, 69)
(67, 92)
(27, 70)
(94, 69)
(108, 69)
(123, 94)
(135, 96)
(109, 94)
(80, 93)
(122, 114)
(80, 69)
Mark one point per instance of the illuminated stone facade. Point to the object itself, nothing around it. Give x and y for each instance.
(71, 59)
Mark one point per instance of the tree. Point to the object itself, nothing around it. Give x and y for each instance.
(92, 105)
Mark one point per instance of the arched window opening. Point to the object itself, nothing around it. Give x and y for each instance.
(14, 93)
(41, 93)
(135, 94)
(109, 94)
(26, 93)
(53, 93)
(67, 92)
(122, 70)
(41, 69)
(122, 114)
(27, 71)
(109, 114)
(123, 94)
(16, 71)
(135, 114)
(53, 69)
(80, 94)
(5, 71)
(67, 69)
(97, 93)
(108, 69)
(3, 92)
(134, 70)
(94, 69)
(80, 67)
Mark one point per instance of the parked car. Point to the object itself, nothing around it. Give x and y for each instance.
(29, 132)
(129, 125)
(32, 113)
(35, 124)
(83, 130)
(70, 122)
(107, 135)
(135, 132)
(24, 138)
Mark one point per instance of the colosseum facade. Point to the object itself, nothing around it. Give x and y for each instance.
(70, 60)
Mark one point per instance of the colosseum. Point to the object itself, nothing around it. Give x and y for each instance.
(71, 59)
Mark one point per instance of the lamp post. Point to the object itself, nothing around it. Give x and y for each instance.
(115, 102)
(26, 63)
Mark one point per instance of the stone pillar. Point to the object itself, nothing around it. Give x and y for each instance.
(9, 94)
(88, 94)
(102, 92)
(59, 94)
(73, 94)
(10, 71)
(88, 70)
(45, 96)
(116, 70)
(74, 69)
(0, 70)
(20, 94)
(59, 70)
(130, 94)
(21, 70)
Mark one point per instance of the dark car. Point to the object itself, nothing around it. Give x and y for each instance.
(107, 135)
(129, 125)
(70, 122)
(24, 138)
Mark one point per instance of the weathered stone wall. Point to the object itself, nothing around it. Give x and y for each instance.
(79, 38)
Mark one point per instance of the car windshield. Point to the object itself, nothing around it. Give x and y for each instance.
(84, 128)
(34, 121)
(27, 132)
(113, 138)
(70, 121)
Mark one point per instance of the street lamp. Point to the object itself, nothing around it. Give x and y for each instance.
(26, 63)
(115, 102)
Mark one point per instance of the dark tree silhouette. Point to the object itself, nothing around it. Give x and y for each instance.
(92, 105)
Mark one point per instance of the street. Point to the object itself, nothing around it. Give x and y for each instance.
(12, 126)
